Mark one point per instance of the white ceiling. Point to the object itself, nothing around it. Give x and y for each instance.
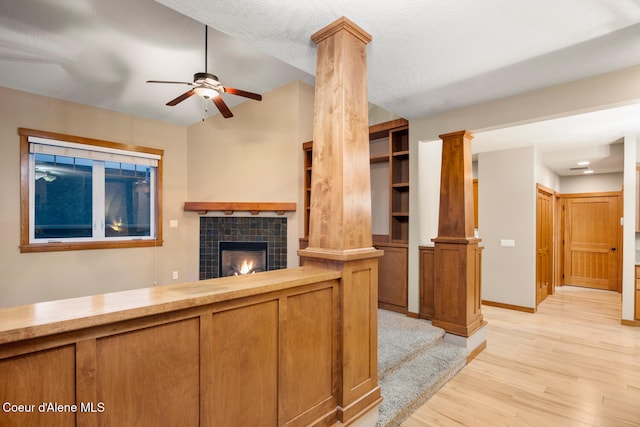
(427, 56)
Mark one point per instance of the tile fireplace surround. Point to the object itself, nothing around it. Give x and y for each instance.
(241, 229)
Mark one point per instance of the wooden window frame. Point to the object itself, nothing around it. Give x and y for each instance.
(27, 246)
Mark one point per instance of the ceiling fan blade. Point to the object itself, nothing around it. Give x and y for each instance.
(165, 81)
(243, 93)
(224, 110)
(180, 98)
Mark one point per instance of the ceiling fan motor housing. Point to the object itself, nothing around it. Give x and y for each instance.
(208, 78)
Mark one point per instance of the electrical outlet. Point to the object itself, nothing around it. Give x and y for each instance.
(173, 223)
(175, 275)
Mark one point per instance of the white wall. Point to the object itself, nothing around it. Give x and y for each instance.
(506, 210)
(629, 234)
(543, 175)
(591, 183)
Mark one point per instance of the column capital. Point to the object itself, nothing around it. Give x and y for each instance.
(341, 24)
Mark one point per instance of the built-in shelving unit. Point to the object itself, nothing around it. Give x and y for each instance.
(389, 159)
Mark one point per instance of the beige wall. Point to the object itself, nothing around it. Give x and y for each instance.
(254, 157)
(33, 277)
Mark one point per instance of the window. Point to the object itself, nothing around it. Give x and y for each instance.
(80, 193)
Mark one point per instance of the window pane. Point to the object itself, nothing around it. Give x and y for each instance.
(127, 199)
(63, 192)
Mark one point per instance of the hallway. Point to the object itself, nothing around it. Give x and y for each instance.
(570, 364)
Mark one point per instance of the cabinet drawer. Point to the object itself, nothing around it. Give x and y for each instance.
(637, 305)
(637, 284)
(637, 272)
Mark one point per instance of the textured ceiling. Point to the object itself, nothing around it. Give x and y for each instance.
(427, 56)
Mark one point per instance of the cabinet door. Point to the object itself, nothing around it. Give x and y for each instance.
(392, 277)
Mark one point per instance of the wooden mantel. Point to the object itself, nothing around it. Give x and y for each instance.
(230, 207)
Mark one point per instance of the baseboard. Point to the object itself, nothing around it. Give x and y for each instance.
(413, 315)
(509, 306)
(392, 307)
(476, 351)
(630, 322)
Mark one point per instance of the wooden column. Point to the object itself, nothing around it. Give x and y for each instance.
(340, 208)
(457, 255)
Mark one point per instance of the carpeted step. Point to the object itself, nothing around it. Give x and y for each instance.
(402, 338)
(411, 385)
(413, 363)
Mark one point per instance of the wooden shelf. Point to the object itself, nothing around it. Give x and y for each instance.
(379, 159)
(404, 153)
(388, 155)
(230, 207)
(401, 186)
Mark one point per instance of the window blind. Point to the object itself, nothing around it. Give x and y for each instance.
(72, 149)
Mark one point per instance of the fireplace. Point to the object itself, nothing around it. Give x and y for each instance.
(271, 231)
(239, 258)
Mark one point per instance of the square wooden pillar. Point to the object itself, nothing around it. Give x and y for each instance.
(340, 209)
(457, 256)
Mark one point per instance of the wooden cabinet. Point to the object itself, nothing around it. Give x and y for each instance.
(427, 282)
(392, 276)
(475, 203)
(389, 159)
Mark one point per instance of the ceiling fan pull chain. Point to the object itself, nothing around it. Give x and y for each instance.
(204, 108)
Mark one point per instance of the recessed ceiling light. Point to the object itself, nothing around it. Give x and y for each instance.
(585, 163)
(588, 171)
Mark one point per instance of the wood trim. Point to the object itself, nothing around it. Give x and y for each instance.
(626, 322)
(582, 195)
(89, 141)
(509, 306)
(78, 246)
(545, 189)
(476, 351)
(381, 130)
(338, 25)
(27, 247)
(230, 207)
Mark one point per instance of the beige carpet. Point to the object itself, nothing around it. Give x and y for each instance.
(413, 363)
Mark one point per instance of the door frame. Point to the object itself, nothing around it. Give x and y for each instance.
(560, 232)
(554, 239)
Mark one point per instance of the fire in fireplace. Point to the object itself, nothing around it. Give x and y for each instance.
(237, 258)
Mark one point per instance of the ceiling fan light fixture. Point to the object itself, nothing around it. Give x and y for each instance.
(206, 92)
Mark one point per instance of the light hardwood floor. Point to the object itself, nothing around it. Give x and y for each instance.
(570, 364)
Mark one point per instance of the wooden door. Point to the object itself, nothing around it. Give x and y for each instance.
(592, 233)
(544, 243)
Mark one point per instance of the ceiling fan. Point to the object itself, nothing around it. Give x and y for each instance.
(208, 86)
